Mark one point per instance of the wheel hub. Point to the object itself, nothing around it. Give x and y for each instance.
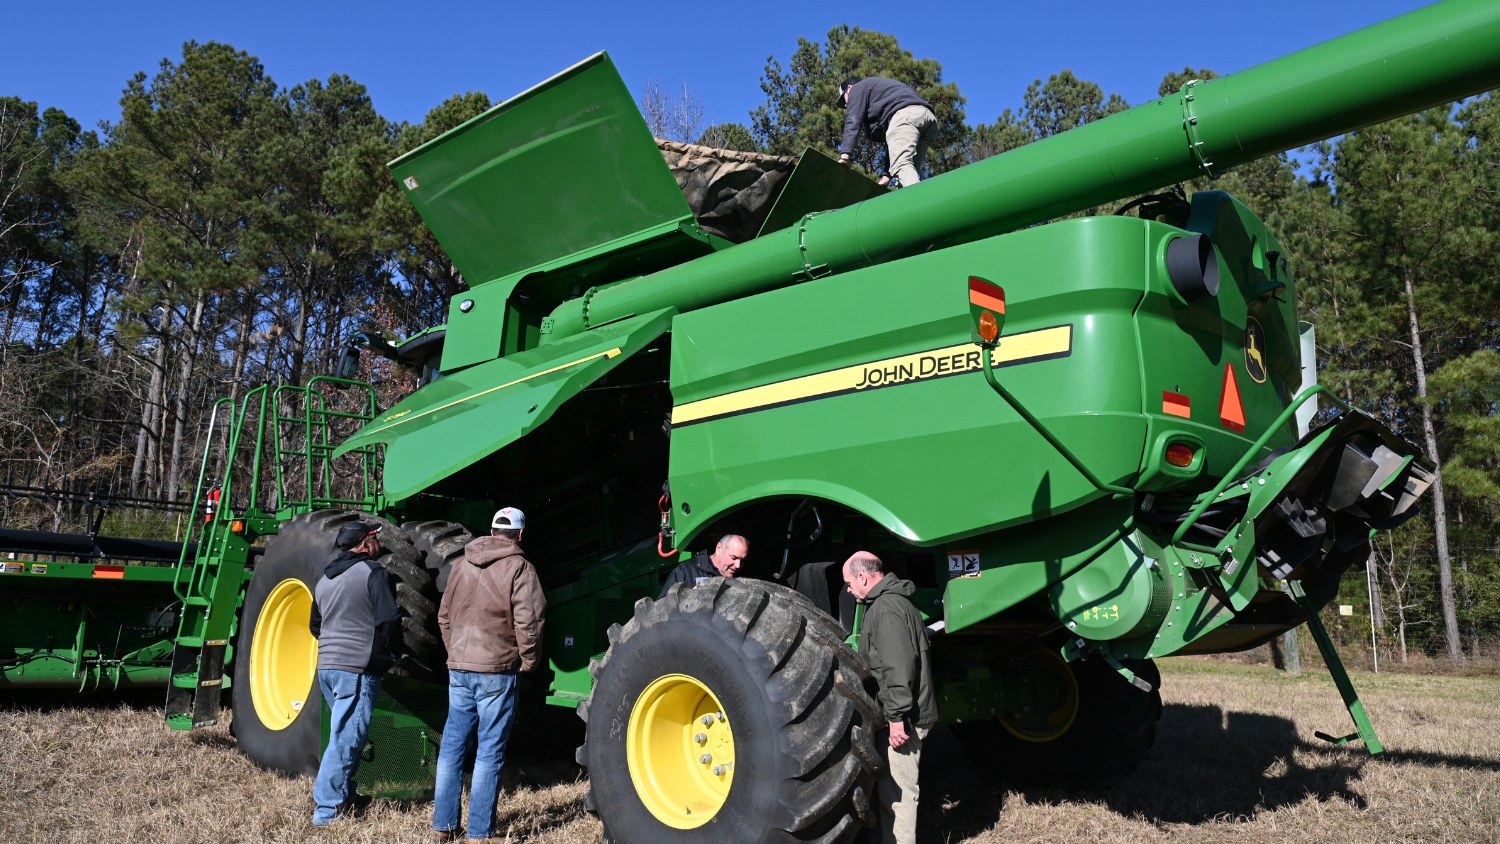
(1053, 706)
(680, 750)
(283, 655)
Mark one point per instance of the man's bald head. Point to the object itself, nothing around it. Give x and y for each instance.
(730, 554)
(861, 572)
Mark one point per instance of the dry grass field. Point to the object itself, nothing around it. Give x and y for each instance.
(1236, 761)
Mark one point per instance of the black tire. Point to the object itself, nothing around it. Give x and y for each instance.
(422, 656)
(300, 551)
(441, 545)
(802, 718)
(1114, 729)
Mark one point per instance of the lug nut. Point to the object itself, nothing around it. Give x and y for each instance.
(701, 738)
(706, 758)
(718, 770)
(719, 715)
(708, 720)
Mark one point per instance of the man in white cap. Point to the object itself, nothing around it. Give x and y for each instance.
(491, 617)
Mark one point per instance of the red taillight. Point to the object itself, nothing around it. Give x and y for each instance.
(1180, 455)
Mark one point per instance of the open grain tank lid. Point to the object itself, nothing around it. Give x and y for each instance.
(569, 166)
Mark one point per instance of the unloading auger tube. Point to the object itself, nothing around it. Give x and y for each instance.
(1435, 55)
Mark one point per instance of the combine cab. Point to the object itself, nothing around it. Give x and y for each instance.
(1090, 443)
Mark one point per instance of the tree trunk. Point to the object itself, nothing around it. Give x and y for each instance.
(1390, 571)
(145, 449)
(184, 389)
(1439, 509)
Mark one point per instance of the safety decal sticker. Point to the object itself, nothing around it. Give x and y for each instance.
(1027, 347)
(13, 568)
(567, 641)
(38, 568)
(963, 564)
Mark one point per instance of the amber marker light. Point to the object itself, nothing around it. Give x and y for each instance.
(237, 526)
(989, 327)
(1180, 455)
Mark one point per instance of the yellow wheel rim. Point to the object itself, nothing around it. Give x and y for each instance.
(283, 655)
(681, 751)
(1054, 702)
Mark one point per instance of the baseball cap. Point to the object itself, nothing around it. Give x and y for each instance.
(508, 518)
(354, 533)
(844, 89)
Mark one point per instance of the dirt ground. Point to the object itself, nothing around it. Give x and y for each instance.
(1236, 761)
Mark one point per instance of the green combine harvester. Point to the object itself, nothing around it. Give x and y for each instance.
(1090, 443)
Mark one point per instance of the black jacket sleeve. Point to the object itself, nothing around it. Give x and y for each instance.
(315, 622)
(854, 115)
(386, 614)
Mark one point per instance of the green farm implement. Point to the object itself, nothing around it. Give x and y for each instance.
(1090, 442)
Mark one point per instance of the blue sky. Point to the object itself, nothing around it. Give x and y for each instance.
(78, 55)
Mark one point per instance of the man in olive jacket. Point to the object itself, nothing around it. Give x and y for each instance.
(491, 616)
(893, 641)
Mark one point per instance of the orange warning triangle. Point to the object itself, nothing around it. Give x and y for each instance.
(1231, 409)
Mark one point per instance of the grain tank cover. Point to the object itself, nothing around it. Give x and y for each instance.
(565, 166)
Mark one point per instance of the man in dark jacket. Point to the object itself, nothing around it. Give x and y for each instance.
(491, 615)
(893, 641)
(892, 112)
(355, 621)
(725, 561)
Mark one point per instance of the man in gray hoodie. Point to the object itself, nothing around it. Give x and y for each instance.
(892, 112)
(893, 641)
(355, 620)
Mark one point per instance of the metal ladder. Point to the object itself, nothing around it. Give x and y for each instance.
(212, 587)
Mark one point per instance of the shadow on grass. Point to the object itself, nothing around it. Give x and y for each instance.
(1207, 766)
(51, 700)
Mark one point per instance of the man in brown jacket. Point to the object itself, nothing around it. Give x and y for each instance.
(491, 616)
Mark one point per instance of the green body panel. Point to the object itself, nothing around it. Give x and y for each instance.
(564, 166)
(863, 446)
(432, 434)
(84, 626)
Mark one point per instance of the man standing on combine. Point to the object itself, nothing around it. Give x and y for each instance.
(355, 621)
(725, 561)
(893, 112)
(491, 616)
(893, 641)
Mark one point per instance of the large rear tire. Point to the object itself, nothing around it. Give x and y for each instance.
(1108, 733)
(750, 676)
(277, 702)
(441, 545)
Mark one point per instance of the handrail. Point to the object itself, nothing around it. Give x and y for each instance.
(1234, 474)
(208, 440)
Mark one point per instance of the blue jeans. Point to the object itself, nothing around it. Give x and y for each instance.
(351, 700)
(488, 702)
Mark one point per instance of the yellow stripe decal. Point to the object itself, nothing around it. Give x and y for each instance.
(1028, 347)
(402, 418)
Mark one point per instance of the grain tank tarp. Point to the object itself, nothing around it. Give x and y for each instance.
(731, 192)
(475, 412)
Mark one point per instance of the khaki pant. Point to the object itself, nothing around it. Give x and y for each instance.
(897, 794)
(911, 130)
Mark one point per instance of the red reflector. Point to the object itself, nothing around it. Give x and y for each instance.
(986, 294)
(1180, 455)
(1176, 404)
(110, 572)
(1231, 409)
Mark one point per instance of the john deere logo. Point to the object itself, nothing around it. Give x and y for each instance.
(1255, 350)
